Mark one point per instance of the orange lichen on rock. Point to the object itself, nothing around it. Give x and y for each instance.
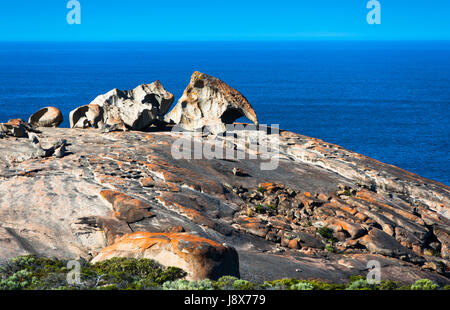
(200, 257)
(253, 225)
(16, 122)
(147, 182)
(125, 207)
(161, 172)
(168, 201)
(293, 244)
(270, 187)
(375, 200)
(177, 229)
(160, 186)
(111, 180)
(354, 230)
(339, 204)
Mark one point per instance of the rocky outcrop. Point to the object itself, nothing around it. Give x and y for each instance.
(322, 213)
(46, 117)
(209, 102)
(199, 257)
(135, 109)
(17, 128)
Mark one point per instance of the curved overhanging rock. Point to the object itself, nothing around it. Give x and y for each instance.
(135, 109)
(209, 102)
(87, 116)
(199, 257)
(46, 117)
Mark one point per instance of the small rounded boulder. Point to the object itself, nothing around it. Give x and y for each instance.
(46, 117)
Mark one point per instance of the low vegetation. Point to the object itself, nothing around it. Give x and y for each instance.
(35, 273)
(265, 209)
(327, 233)
(31, 272)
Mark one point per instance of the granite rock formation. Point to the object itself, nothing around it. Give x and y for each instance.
(87, 116)
(201, 258)
(17, 128)
(46, 117)
(135, 109)
(209, 102)
(323, 213)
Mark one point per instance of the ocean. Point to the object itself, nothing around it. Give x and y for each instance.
(386, 100)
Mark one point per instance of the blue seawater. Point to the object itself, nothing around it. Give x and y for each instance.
(386, 100)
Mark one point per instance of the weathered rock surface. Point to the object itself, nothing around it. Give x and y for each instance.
(201, 258)
(16, 128)
(126, 208)
(135, 109)
(87, 116)
(111, 185)
(209, 102)
(46, 117)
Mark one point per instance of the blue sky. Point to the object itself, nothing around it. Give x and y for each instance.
(149, 20)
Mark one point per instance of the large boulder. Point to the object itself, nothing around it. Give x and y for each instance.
(46, 117)
(135, 109)
(201, 258)
(379, 242)
(87, 116)
(209, 102)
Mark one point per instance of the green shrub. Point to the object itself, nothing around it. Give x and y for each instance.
(17, 281)
(282, 284)
(326, 286)
(356, 278)
(233, 283)
(243, 285)
(260, 209)
(360, 284)
(424, 284)
(226, 282)
(32, 272)
(189, 285)
(294, 284)
(261, 190)
(302, 286)
(329, 248)
(269, 209)
(347, 193)
(138, 273)
(327, 233)
(389, 285)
